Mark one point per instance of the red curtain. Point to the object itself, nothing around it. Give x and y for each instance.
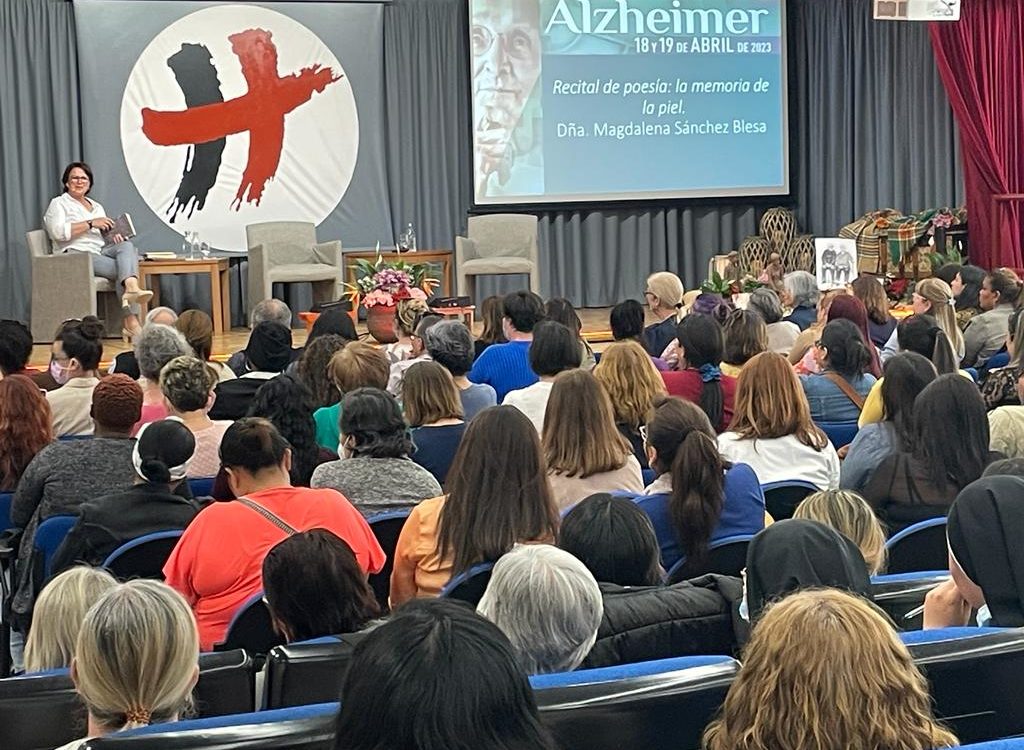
(981, 62)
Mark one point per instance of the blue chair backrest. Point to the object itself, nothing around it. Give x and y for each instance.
(386, 527)
(5, 510)
(726, 556)
(469, 585)
(900, 593)
(839, 433)
(973, 674)
(42, 710)
(1015, 743)
(648, 476)
(251, 628)
(144, 556)
(49, 536)
(662, 705)
(302, 728)
(919, 547)
(201, 486)
(69, 438)
(781, 498)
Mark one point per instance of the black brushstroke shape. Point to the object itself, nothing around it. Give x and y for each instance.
(197, 77)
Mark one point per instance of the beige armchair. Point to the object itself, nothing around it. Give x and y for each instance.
(63, 286)
(497, 244)
(287, 251)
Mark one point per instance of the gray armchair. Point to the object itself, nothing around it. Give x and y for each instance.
(63, 286)
(497, 244)
(287, 252)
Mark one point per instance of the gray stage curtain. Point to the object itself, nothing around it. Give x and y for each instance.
(40, 130)
(872, 124)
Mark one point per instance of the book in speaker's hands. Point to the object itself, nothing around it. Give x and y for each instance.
(122, 226)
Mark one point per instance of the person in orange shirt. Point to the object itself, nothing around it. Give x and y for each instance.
(498, 495)
(217, 563)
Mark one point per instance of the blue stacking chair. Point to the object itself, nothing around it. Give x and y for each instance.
(302, 728)
(781, 498)
(306, 672)
(144, 556)
(919, 547)
(251, 628)
(201, 487)
(1014, 743)
(49, 536)
(973, 675)
(726, 556)
(900, 593)
(840, 433)
(386, 527)
(655, 705)
(469, 585)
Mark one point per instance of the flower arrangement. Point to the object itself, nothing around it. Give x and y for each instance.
(385, 284)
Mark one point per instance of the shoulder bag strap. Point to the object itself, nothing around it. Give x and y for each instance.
(289, 530)
(846, 388)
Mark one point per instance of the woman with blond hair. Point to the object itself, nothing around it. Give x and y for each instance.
(584, 451)
(59, 612)
(664, 297)
(433, 410)
(357, 365)
(407, 314)
(136, 658)
(865, 693)
(632, 382)
(850, 515)
(197, 328)
(771, 428)
(934, 297)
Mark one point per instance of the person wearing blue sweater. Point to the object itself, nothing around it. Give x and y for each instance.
(506, 367)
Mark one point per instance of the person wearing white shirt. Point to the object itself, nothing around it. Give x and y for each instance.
(772, 431)
(554, 349)
(75, 223)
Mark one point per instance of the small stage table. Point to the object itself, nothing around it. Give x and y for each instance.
(442, 258)
(215, 268)
(466, 313)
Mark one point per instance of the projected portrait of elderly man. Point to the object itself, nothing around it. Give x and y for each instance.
(505, 38)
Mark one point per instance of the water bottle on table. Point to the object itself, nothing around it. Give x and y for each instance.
(410, 238)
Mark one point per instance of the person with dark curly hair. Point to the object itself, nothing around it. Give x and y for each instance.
(375, 472)
(24, 427)
(313, 368)
(288, 404)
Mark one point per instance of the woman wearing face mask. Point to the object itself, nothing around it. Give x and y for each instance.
(985, 558)
(375, 472)
(798, 554)
(74, 364)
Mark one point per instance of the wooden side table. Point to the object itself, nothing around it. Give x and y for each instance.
(466, 313)
(215, 268)
(441, 257)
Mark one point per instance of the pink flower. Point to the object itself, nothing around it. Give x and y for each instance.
(378, 297)
(417, 293)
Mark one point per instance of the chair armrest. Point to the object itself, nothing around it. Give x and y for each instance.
(465, 249)
(328, 252)
(63, 264)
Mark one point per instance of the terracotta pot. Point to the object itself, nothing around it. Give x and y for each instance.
(380, 321)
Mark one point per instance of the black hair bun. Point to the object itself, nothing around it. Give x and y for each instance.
(91, 328)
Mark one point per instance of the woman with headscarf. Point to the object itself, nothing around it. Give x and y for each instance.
(160, 457)
(986, 560)
(799, 554)
(267, 354)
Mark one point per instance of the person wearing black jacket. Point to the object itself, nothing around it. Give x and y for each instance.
(160, 458)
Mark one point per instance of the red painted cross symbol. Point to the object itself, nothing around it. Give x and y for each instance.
(261, 111)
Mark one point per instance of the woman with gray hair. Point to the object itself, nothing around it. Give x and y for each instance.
(548, 604)
(450, 344)
(781, 333)
(800, 295)
(155, 346)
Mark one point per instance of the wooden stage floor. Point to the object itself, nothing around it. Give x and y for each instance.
(595, 330)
